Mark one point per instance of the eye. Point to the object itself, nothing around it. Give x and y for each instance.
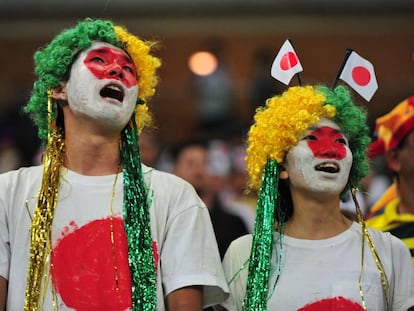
(96, 59)
(129, 69)
(341, 141)
(310, 137)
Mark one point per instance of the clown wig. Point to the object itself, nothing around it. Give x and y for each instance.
(53, 65)
(276, 129)
(281, 122)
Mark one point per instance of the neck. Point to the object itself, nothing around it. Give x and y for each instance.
(92, 154)
(406, 195)
(316, 217)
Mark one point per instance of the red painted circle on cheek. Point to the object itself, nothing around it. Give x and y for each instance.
(336, 303)
(326, 143)
(83, 270)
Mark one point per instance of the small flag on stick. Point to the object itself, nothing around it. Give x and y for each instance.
(286, 64)
(359, 74)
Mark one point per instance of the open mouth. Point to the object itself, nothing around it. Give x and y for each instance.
(327, 167)
(112, 91)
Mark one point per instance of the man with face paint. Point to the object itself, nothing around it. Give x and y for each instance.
(104, 232)
(306, 149)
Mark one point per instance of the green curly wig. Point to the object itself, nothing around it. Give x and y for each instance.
(53, 63)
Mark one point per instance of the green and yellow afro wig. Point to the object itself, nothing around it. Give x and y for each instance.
(53, 64)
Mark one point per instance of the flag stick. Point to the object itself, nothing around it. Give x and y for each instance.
(298, 74)
(347, 53)
(299, 79)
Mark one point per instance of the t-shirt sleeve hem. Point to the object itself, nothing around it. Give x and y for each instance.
(215, 290)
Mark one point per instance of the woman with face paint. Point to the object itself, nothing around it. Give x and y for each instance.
(104, 232)
(306, 149)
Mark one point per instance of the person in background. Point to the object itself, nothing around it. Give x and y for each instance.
(191, 162)
(394, 211)
(235, 198)
(104, 232)
(306, 149)
(150, 148)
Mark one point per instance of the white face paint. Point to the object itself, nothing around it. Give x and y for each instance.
(321, 161)
(103, 85)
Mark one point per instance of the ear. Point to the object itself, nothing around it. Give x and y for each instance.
(283, 173)
(393, 160)
(59, 93)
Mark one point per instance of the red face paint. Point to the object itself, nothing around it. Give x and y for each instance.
(109, 63)
(326, 142)
(336, 303)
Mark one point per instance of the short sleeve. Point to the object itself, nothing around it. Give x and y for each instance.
(236, 266)
(4, 237)
(189, 255)
(404, 276)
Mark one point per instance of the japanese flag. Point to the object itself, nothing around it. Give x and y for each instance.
(360, 75)
(286, 64)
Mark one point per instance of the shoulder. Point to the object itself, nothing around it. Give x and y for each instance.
(382, 218)
(387, 244)
(24, 175)
(156, 177)
(23, 171)
(240, 248)
(168, 191)
(165, 182)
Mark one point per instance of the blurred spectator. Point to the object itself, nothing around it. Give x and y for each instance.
(215, 101)
(191, 164)
(10, 158)
(395, 139)
(18, 140)
(233, 194)
(262, 86)
(150, 148)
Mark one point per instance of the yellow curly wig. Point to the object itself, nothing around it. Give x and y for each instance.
(278, 125)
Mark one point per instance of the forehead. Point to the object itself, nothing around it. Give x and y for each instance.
(98, 45)
(322, 122)
(325, 122)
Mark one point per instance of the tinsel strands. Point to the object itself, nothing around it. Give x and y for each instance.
(137, 224)
(366, 236)
(261, 252)
(40, 232)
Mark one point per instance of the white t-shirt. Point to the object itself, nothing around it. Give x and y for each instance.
(83, 256)
(324, 274)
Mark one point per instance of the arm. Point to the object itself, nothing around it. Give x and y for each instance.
(188, 250)
(3, 293)
(186, 299)
(403, 292)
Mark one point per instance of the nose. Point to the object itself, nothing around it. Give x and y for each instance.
(115, 71)
(328, 150)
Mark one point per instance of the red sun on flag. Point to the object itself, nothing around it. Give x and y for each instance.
(361, 75)
(286, 64)
(288, 61)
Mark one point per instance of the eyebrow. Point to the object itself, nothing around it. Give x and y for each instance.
(106, 51)
(315, 128)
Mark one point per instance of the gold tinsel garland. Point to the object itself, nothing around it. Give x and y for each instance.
(40, 234)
